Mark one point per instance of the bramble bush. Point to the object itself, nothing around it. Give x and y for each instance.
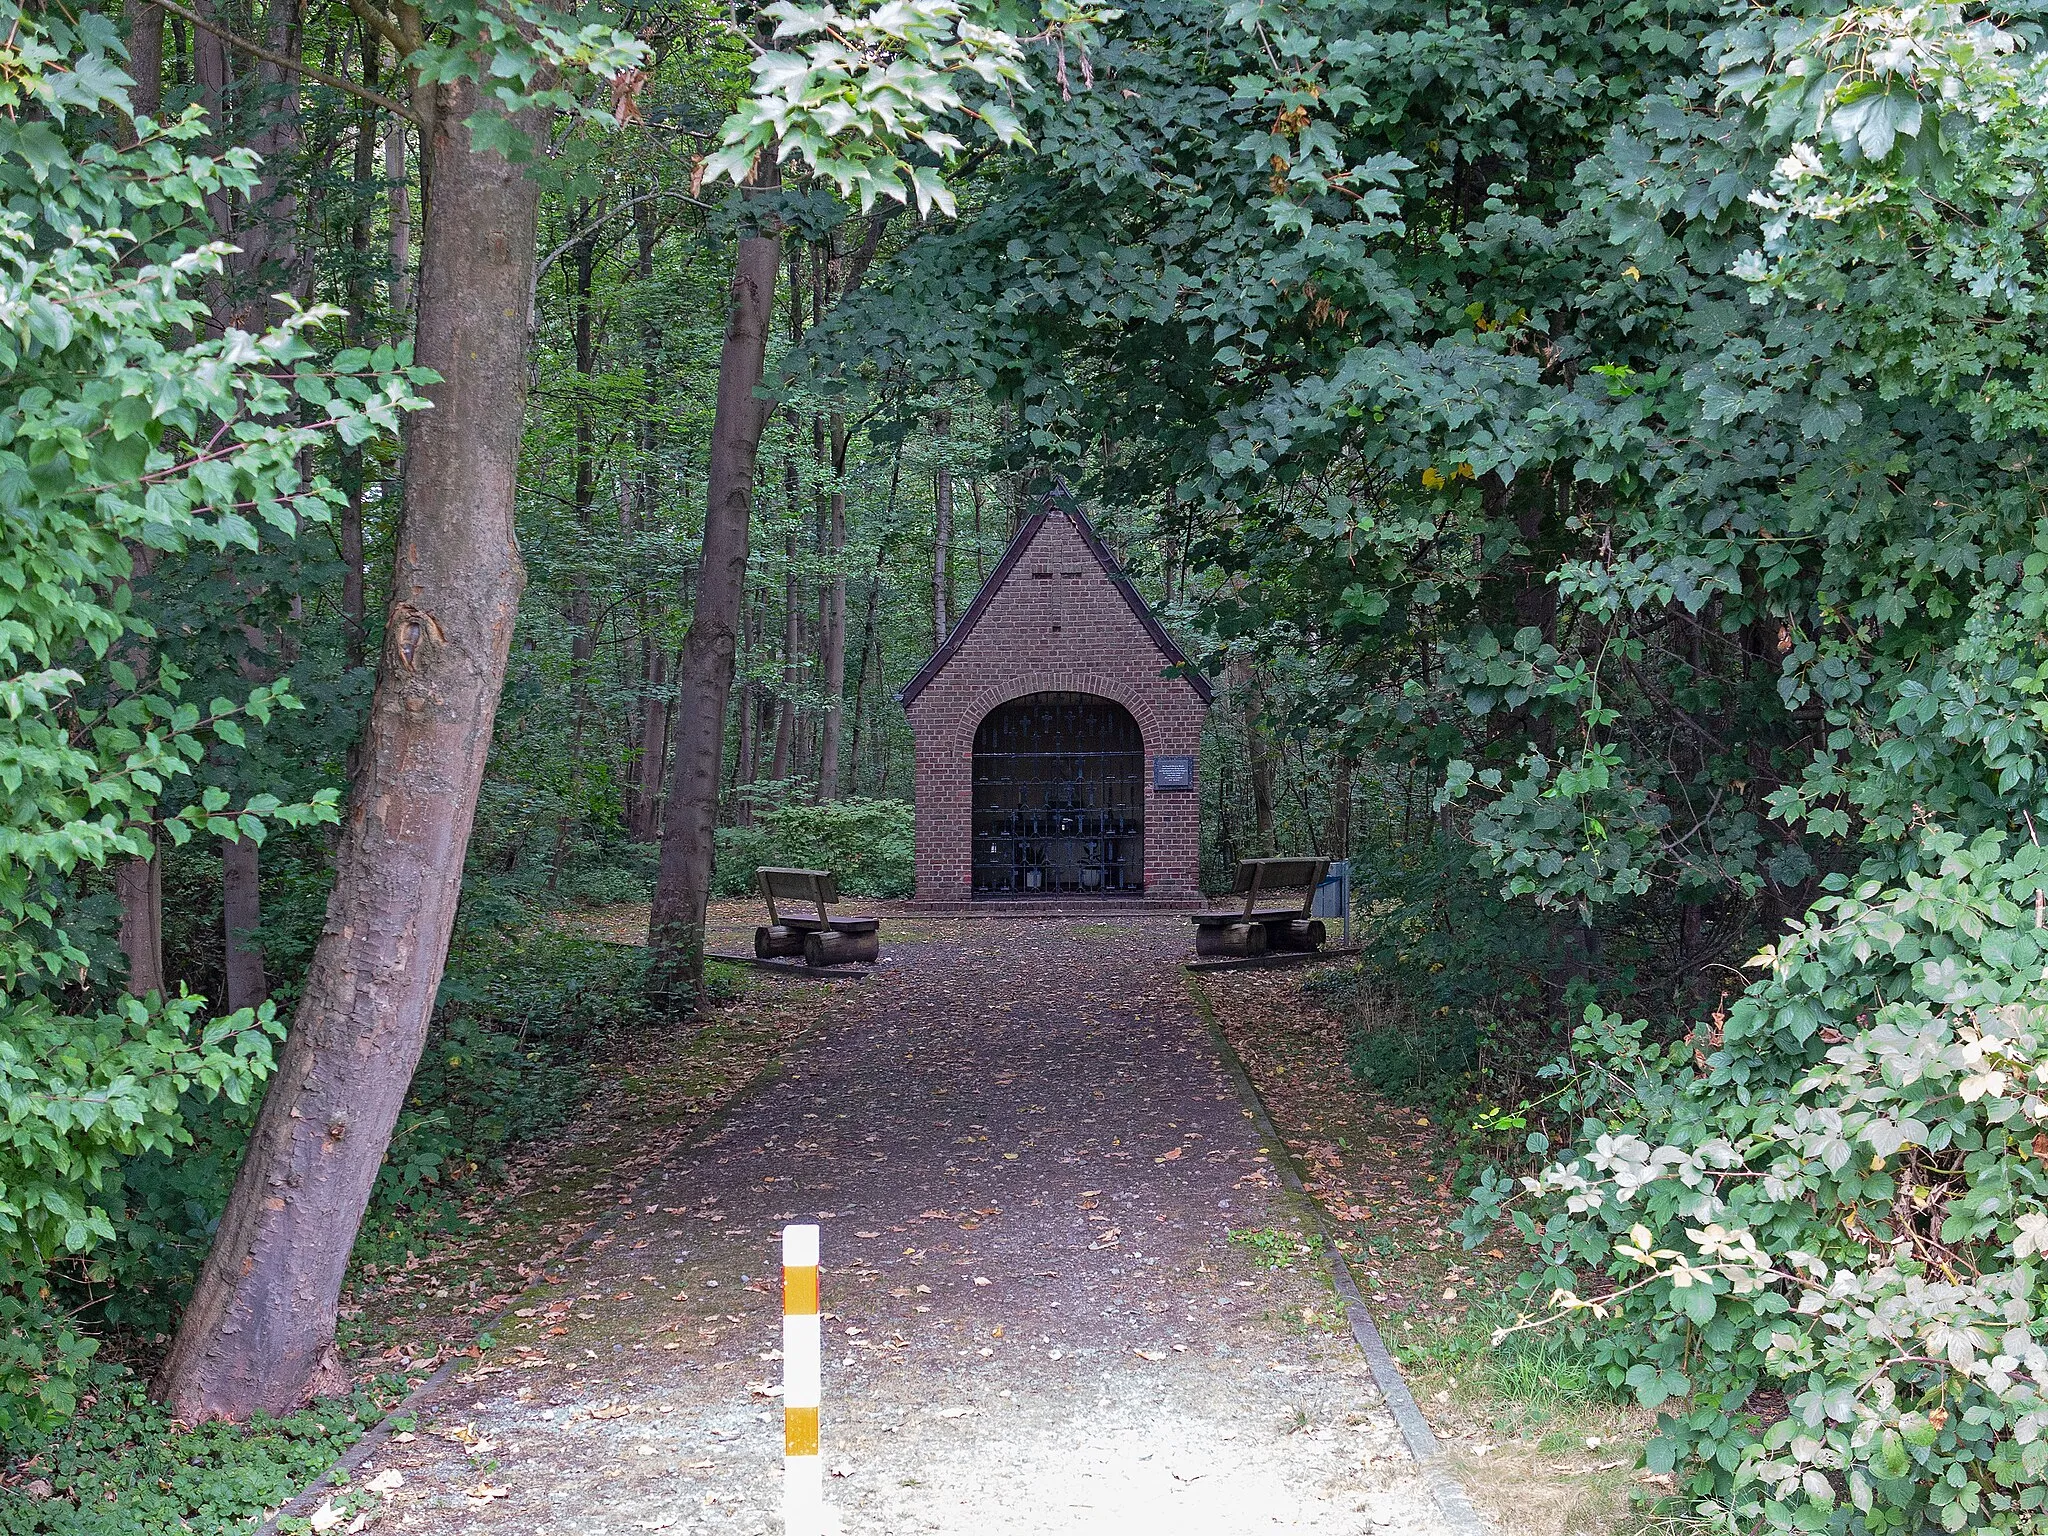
(1836, 1188)
(1838, 1191)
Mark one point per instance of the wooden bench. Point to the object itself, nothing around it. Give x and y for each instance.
(818, 936)
(1262, 924)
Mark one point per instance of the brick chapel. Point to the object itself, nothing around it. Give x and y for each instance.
(1056, 746)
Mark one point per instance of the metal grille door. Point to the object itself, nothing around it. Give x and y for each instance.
(1059, 798)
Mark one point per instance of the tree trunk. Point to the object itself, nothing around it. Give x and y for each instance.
(860, 682)
(1258, 756)
(653, 745)
(581, 275)
(833, 641)
(210, 73)
(139, 883)
(400, 196)
(980, 550)
(355, 616)
(942, 547)
(704, 680)
(650, 764)
(259, 1330)
(749, 753)
(146, 58)
(1337, 830)
(792, 644)
(241, 915)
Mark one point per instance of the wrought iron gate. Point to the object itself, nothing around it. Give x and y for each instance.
(1059, 798)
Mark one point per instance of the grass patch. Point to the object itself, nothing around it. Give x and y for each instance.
(1269, 1246)
(1536, 1377)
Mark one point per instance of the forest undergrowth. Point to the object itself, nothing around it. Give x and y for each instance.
(540, 1100)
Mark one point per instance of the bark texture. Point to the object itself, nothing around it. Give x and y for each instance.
(241, 915)
(704, 678)
(146, 58)
(259, 1331)
(139, 885)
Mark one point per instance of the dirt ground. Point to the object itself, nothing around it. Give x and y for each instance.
(1028, 1165)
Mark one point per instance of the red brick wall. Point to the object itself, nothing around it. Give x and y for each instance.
(1069, 631)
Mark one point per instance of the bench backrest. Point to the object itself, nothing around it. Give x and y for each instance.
(814, 888)
(1258, 877)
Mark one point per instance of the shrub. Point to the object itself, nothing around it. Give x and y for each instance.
(1837, 1192)
(868, 844)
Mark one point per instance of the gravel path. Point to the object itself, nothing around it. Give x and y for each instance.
(1027, 1163)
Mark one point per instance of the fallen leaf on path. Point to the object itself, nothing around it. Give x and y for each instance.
(483, 1493)
(390, 1480)
(325, 1518)
(954, 1413)
(610, 1411)
(1149, 1354)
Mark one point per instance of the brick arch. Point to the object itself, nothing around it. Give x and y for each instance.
(1117, 690)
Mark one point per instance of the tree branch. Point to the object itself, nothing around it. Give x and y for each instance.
(540, 269)
(377, 21)
(257, 50)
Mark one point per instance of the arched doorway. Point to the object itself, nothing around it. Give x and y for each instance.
(1059, 798)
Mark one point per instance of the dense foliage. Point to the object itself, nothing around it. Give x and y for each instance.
(119, 437)
(1611, 433)
(1593, 445)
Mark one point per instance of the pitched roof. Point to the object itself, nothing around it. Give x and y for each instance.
(1056, 500)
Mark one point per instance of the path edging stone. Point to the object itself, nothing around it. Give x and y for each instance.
(1451, 1498)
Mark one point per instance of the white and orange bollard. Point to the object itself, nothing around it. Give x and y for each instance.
(803, 1481)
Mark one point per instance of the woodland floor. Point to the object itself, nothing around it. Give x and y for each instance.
(1066, 1290)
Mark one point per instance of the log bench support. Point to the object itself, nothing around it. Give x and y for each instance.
(1258, 928)
(816, 936)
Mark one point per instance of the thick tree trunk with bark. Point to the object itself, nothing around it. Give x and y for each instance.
(259, 1331)
(241, 915)
(704, 680)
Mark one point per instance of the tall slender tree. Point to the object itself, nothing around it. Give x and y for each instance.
(259, 1331)
(682, 891)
